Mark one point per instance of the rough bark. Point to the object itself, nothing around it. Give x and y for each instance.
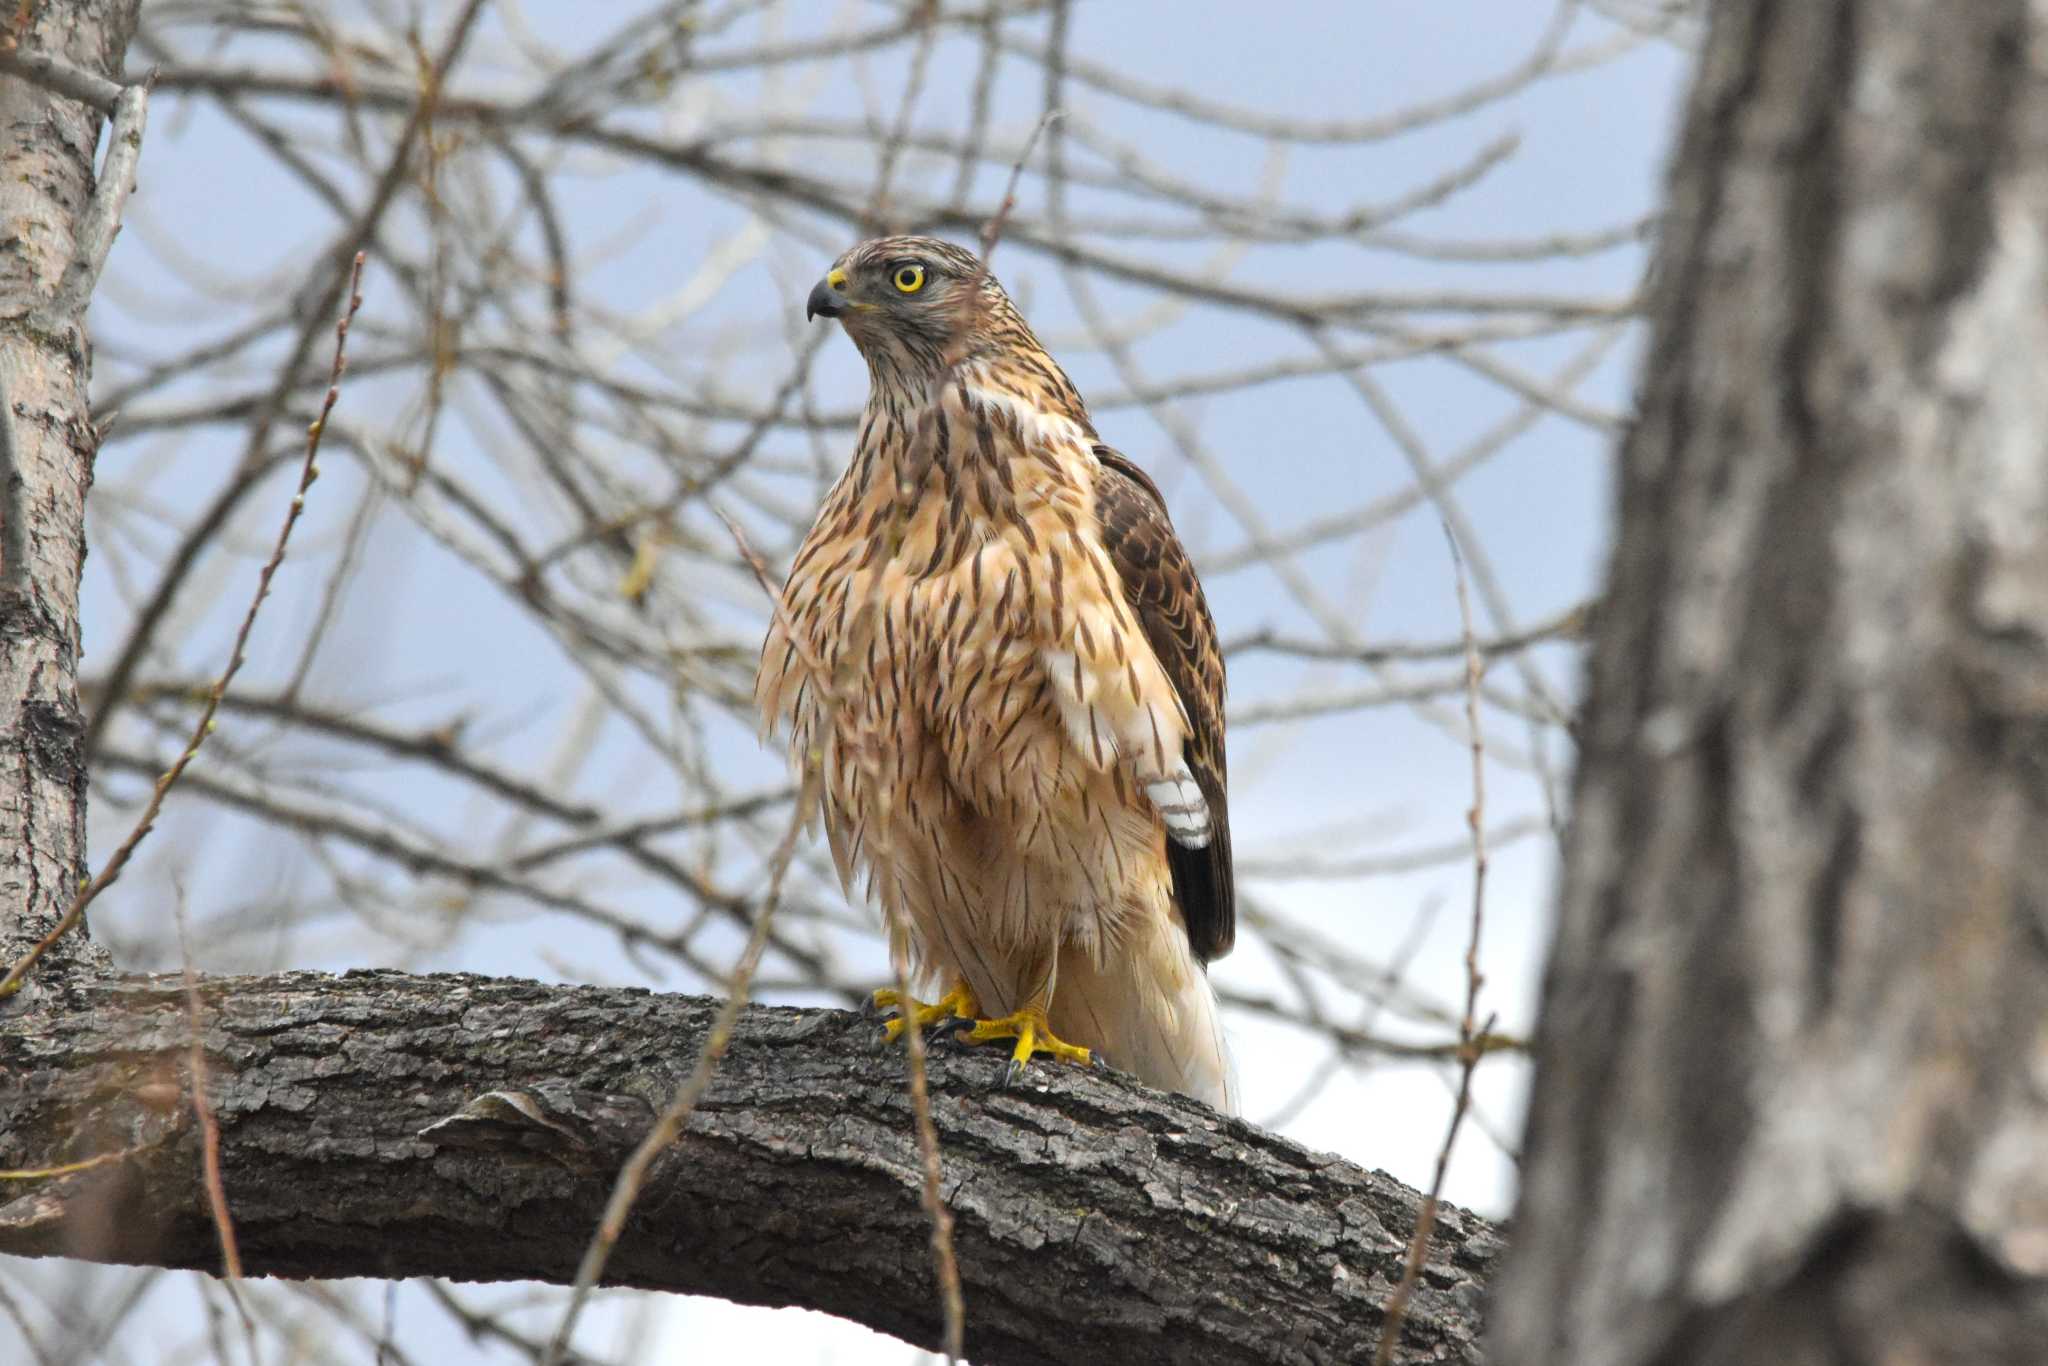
(47, 444)
(379, 1124)
(1789, 1103)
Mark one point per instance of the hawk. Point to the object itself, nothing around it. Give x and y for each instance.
(994, 661)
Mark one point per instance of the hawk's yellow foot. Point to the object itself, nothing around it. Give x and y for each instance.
(1033, 1035)
(958, 1004)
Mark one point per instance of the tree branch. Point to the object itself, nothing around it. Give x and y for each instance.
(101, 221)
(380, 1124)
(72, 82)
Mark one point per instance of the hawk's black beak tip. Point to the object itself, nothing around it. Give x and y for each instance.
(825, 301)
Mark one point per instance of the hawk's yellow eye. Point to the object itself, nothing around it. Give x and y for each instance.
(909, 279)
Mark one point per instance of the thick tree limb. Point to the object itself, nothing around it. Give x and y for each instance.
(380, 1124)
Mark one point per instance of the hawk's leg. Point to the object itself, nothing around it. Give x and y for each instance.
(958, 1004)
(1033, 1035)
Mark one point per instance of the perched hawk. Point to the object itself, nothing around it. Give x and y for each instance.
(993, 656)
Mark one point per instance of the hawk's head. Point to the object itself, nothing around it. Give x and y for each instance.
(913, 305)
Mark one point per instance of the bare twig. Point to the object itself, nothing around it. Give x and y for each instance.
(1470, 1033)
(909, 480)
(1475, 669)
(387, 1333)
(1425, 1222)
(992, 231)
(669, 1124)
(209, 1140)
(84, 1164)
(29, 1337)
(308, 472)
(1570, 624)
(945, 1264)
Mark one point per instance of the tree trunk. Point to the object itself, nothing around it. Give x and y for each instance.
(47, 444)
(380, 1124)
(1790, 1102)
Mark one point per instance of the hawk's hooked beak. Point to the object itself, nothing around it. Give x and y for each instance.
(828, 296)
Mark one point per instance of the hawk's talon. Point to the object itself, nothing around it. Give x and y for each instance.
(1033, 1035)
(955, 1006)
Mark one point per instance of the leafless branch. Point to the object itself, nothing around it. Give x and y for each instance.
(209, 1141)
(633, 1175)
(1469, 1033)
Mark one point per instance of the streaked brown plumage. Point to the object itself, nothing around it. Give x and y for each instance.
(993, 654)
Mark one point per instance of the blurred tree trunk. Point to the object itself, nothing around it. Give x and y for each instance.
(47, 443)
(1791, 1103)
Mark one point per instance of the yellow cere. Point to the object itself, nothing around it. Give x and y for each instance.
(836, 278)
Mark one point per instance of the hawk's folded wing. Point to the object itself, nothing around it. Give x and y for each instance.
(1160, 586)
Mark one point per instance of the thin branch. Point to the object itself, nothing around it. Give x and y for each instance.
(909, 480)
(913, 86)
(992, 231)
(1425, 1223)
(209, 1139)
(83, 1164)
(1570, 624)
(22, 1325)
(1475, 669)
(669, 1124)
(1469, 1033)
(676, 1114)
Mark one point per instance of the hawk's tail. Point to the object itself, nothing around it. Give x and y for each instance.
(1151, 1011)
